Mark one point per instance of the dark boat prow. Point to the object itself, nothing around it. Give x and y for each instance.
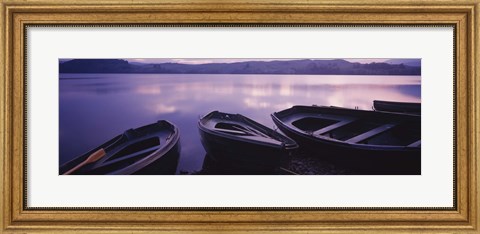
(398, 107)
(153, 149)
(376, 142)
(238, 140)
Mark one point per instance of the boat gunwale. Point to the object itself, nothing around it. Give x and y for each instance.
(368, 112)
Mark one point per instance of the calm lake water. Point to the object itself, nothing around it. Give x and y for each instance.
(96, 107)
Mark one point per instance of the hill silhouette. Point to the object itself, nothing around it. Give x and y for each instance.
(305, 67)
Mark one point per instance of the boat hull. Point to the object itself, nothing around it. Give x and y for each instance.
(243, 155)
(262, 151)
(165, 165)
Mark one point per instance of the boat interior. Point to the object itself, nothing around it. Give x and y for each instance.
(239, 126)
(129, 150)
(237, 129)
(358, 130)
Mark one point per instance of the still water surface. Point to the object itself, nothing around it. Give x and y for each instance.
(96, 107)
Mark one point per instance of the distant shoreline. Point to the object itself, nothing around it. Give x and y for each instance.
(290, 67)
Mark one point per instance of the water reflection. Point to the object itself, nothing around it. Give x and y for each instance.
(95, 107)
(161, 108)
(148, 90)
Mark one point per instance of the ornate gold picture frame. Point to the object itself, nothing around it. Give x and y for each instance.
(17, 15)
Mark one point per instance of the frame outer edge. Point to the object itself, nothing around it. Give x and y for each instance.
(5, 117)
(475, 157)
(471, 63)
(473, 58)
(244, 2)
(2, 113)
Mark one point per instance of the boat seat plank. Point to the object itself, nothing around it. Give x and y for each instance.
(263, 139)
(298, 116)
(333, 126)
(231, 131)
(415, 144)
(370, 133)
(106, 162)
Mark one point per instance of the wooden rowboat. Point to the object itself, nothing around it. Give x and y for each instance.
(151, 149)
(375, 141)
(238, 140)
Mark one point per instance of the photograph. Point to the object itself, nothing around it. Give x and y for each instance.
(223, 116)
(241, 116)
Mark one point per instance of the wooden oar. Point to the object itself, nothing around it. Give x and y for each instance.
(247, 131)
(91, 159)
(257, 132)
